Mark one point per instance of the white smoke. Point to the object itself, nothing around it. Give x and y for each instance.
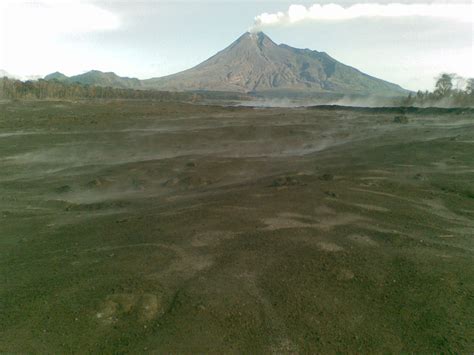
(334, 12)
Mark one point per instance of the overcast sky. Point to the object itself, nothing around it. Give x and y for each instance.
(405, 44)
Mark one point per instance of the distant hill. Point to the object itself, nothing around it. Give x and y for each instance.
(98, 78)
(56, 76)
(255, 64)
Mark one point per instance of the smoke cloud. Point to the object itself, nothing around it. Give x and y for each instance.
(334, 12)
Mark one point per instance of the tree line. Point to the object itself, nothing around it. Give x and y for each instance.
(53, 89)
(451, 90)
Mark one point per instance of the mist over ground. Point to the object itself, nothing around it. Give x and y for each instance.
(450, 91)
(349, 100)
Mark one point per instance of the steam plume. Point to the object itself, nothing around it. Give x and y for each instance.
(334, 12)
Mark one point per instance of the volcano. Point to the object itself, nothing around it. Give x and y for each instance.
(256, 64)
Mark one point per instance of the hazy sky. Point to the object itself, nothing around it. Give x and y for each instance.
(405, 44)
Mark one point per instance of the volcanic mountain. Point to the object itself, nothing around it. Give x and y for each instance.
(254, 63)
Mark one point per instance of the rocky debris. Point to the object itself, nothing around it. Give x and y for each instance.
(329, 246)
(96, 206)
(116, 307)
(187, 182)
(400, 119)
(63, 189)
(345, 275)
(326, 177)
(285, 181)
(98, 182)
(331, 194)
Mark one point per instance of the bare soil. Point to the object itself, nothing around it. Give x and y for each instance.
(137, 226)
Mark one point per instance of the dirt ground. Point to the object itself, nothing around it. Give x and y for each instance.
(172, 228)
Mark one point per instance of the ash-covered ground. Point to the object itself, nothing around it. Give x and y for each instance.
(139, 226)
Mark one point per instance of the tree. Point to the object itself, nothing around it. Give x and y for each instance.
(470, 86)
(444, 84)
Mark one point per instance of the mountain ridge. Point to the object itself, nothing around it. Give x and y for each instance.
(98, 78)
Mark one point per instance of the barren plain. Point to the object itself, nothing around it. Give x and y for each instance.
(140, 226)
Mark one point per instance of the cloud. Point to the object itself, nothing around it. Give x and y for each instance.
(334, 12)
(52, 17)
(36, 34)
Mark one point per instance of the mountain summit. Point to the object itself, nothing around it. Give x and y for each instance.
(254, 63)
